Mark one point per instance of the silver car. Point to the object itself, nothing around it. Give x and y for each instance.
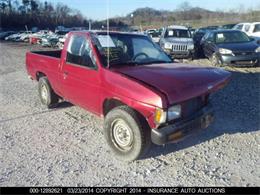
(177, 42)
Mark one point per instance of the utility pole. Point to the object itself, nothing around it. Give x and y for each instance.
(132, 19)
(89, 25)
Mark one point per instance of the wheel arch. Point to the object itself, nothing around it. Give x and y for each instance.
(39, 75)
(111, 103)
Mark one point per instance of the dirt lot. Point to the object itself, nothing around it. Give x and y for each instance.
(65, 146)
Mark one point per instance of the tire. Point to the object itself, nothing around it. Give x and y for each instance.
(124, 121)
(258, 64)
(215, 61)
(191, 57)
(47, 96)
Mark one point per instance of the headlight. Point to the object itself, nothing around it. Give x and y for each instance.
(225, 51)
(191, 46)
(174, 112)
(257, 50)
(160, 116)
(167, 45)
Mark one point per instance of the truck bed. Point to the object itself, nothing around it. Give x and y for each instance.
(44, 62)
(54, 53)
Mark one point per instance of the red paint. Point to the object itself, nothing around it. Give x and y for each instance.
(143, 88)
(34, 40)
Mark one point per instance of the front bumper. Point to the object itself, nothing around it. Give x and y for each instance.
(180, 54)
(241, 60)
(179, 130)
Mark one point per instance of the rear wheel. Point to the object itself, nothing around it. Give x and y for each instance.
(127, 133)
(47, 96)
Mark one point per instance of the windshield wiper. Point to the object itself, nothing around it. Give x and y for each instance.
(156, 62)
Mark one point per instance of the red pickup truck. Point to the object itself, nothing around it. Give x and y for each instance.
(143, 96)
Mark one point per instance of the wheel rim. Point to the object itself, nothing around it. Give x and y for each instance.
(122, 134)
(215, 60)
(44, 93)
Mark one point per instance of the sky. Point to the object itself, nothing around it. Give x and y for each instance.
(99, 9)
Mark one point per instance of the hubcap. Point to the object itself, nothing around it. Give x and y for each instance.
(122, 134)
(215, 61)
(44, 93)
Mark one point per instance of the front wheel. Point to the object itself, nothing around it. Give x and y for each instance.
(215, 60)
(127, 133)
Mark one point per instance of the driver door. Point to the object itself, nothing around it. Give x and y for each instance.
(81, 79)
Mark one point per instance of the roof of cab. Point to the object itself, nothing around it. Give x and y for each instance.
(109, 32)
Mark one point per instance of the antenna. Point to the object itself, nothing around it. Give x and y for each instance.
(108, 49)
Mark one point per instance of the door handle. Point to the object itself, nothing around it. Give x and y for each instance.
(65, 74)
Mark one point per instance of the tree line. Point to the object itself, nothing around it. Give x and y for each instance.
(34, 13)
(16, 14)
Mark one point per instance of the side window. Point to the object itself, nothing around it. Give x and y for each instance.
(205, 37)
(163, 33)
(79, 52)
(210, 37)
(257, 28)
(247, 27)
(239, 27)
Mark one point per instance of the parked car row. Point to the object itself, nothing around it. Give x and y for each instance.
(45, 38)
(230, 44)
(223, 45)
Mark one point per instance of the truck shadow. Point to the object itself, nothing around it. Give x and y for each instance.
(237, 110)
(63, 104)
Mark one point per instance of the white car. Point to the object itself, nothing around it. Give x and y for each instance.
(13, 37)
(251, 29)
(154, 34)
(242, 26)
(254, 30)
(25, 36)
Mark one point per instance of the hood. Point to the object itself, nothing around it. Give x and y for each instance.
(249, 46)
(179, 82)
(179, 40)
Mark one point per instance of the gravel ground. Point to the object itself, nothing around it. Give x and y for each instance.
(65, 146)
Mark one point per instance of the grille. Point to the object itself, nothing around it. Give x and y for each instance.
(245, 62)
(180, 47)
(193, 105)
(241, 53)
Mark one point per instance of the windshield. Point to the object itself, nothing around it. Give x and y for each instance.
(128, 49)
(180, 33)
(257, 28)
(232, 37)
